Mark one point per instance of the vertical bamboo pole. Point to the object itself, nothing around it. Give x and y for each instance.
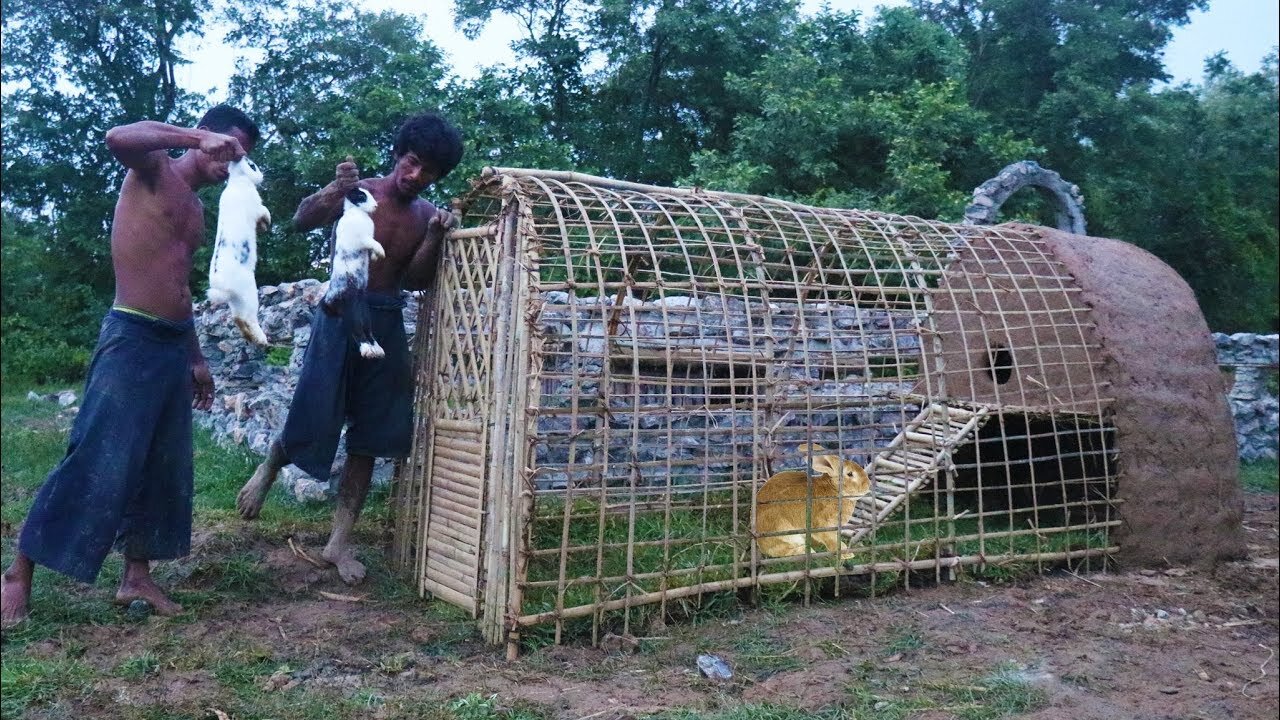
(497, 505)
(524, 419)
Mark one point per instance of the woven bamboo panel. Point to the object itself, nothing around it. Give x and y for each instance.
(639, 360)
(456, 513)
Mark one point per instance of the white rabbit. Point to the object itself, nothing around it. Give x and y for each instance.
(235, 252)
(353, 247)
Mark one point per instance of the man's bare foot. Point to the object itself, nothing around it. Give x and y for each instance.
(350, 569)
(15, 597)
(146, 589)
(254, 493)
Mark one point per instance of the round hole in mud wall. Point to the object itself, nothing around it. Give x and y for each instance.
(999, 363)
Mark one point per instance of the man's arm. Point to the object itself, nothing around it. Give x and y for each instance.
(421, 271)
(139, 146)
(325, 206)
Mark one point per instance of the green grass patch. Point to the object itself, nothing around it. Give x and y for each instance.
(479, 707)
(33, 439)
(29, 682)
(1260, 476)
(139, 665)
(278, 355)
(710, 541)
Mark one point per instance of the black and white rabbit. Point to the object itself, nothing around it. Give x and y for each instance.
(235, 252)
(354, 246)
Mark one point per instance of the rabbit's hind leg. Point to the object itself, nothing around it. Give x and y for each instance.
(362, 329)
(244, 310)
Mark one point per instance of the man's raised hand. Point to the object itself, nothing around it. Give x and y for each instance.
(223, 148)
(347, 175)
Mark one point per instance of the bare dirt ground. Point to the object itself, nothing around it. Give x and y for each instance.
(1166, 643)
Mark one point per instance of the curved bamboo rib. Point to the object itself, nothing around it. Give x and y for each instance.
(610, 370)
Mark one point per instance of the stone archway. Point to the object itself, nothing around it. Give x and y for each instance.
(990, 195)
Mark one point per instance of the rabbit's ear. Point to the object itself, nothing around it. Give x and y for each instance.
(827, 464)
(807, 448)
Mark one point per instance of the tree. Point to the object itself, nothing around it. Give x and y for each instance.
(552, 39)
(867, 119)
(1197, 184)
(662, 93)
(333, 82)
(1053, 69)
(73, 70)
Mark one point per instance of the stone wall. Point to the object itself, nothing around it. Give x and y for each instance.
(254, 385)
(1254, 359)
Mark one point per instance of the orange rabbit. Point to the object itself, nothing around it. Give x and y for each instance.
(786, 502)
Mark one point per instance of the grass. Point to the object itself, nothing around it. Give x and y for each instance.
(227, 570)
(228, 575)
(1261, 476)
(692, 545)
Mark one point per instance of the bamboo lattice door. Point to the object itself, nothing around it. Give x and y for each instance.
(456, 426)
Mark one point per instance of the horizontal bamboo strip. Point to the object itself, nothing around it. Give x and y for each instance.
(462, 536)
(461, 509)
(450, 492)
(988, 536)
(458, 455)
(452, 521)
(459, 471)
(452, 555)
(445, 577)
(450, 595)
(473, 232)
(820, 572)
(468, 490)
(459, 444)
(468, 427)
(466, 518)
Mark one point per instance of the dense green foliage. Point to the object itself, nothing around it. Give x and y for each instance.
(906, 111)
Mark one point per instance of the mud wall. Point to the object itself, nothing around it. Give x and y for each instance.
(1178, 480)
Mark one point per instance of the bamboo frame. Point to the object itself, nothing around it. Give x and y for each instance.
(633, 361)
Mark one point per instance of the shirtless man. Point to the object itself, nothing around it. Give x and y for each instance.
(336, 384)
(126, 479)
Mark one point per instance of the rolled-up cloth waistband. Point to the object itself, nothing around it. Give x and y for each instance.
(162, 326)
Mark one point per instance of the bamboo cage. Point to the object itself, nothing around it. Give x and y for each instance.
(608, 373)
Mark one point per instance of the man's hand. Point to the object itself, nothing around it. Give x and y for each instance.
(223, 148)
(347, 175)
(439, 224)
(202, 396)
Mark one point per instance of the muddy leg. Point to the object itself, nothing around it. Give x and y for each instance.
(352, 492)
(15, 591)
(138, 585)
(254, 493)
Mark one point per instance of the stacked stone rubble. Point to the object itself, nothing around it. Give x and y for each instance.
(1254, 359)
(255, 384)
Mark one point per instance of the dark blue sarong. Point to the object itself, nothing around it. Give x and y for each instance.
(337, 386)
(127, 476)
